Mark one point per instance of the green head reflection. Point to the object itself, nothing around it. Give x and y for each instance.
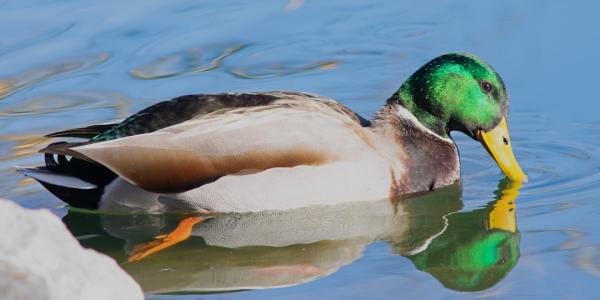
(478, 248)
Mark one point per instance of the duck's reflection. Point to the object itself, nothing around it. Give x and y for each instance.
(478, 248)
(463, 250)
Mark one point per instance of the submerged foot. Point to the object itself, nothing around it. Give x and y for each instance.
(161, 242)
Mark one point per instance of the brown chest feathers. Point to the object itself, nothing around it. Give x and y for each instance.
(429, 161)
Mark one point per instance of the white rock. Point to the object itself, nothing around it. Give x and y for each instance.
(40, 259)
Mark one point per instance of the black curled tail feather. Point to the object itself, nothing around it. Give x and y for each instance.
(78, 182)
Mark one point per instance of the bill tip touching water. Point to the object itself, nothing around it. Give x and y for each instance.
(272, 151)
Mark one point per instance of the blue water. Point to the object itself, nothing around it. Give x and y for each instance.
(65, 64)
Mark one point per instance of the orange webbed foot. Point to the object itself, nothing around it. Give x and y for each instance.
(161, 242)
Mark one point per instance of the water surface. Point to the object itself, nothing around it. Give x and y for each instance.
(72, 63)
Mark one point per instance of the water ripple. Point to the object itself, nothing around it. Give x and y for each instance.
(73, 101)
(190, 60)
(22, 145)
(558, 165)
(29, 41)
(10, 85)
(560, 168)
(281, 69)
(587, 258)
(581, 255)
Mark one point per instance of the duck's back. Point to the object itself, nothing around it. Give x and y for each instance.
(213, 152)
(184, 108)
(286, 154)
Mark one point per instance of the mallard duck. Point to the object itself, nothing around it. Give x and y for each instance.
(245, 152)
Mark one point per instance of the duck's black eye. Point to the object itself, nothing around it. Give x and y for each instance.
(486, 86)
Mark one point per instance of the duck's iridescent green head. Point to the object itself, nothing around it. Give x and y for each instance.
(455, 92)
(460, 92)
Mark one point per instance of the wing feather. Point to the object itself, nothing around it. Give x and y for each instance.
(87, 132)
(234, 141)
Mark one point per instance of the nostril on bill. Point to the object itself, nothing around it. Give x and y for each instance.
(505, 140)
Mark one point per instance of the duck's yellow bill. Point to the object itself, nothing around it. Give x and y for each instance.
(497, 143)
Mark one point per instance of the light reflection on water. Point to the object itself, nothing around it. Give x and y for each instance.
(70, 64)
